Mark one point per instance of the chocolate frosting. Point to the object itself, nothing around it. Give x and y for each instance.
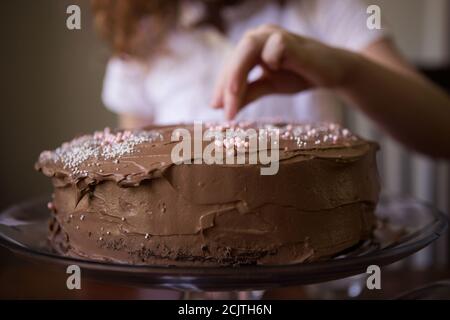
(120, 197)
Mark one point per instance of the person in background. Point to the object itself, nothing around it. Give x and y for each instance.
(167, 55)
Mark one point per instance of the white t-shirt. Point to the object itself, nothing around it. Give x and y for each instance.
(178, 87)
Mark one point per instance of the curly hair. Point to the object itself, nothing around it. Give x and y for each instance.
(138, 28)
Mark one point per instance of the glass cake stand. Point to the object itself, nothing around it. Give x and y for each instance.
(405, 226)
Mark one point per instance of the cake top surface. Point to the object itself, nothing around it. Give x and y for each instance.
(142, 153)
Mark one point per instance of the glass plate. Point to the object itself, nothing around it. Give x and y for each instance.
(405, 226)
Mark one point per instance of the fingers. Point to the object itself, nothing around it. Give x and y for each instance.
(274, 50)
(218, 93)
(247, 56)
(257, 89)
(279, 82)
(268, 46)
(307, 58)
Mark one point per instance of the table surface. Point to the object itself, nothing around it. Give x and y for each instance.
(21, 279)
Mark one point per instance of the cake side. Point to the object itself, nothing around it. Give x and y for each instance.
(136, 206)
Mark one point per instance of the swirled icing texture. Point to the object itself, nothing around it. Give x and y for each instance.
(119, 197)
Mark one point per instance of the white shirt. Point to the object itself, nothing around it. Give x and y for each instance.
(178, 87)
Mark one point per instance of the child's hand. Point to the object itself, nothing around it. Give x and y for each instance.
(290, 64)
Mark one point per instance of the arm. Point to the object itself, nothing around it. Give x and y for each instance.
(378, 81)
(401, 101)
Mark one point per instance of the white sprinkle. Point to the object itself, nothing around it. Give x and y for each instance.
(102, 145)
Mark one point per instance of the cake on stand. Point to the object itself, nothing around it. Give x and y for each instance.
(405, 225)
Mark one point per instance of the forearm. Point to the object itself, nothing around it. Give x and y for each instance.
(410, 108)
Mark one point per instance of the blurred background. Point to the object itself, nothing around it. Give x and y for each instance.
(51, 85)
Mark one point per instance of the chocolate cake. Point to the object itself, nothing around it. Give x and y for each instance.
(120, 196)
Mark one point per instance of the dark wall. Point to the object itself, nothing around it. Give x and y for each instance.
(51, 84)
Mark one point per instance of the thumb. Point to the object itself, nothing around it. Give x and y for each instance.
(279, 82)
(258, 89)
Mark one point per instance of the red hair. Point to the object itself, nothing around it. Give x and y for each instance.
(123, 23)
(138, 28)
